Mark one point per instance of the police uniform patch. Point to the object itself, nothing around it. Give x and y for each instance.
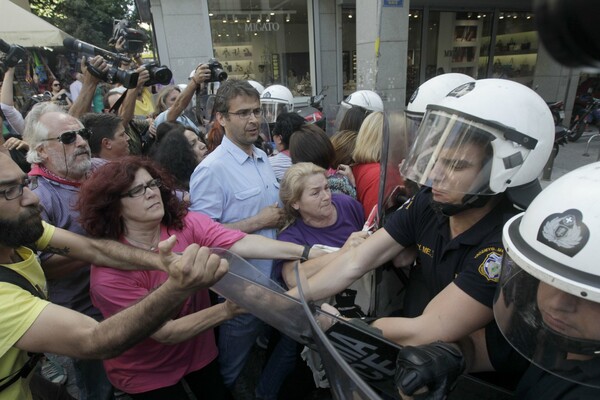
(564, 232)
(491, 266)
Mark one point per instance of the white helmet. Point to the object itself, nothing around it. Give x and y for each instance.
(502, 129)
(430, 92)
(276, 99)
(367, 99)
(547, 304)
(259, 88)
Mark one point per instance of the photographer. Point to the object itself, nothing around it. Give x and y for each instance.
(175, 112)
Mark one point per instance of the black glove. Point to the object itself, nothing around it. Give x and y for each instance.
(435, 366)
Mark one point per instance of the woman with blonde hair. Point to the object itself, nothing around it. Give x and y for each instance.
(313, 216)
(165, 98)
(367, 156)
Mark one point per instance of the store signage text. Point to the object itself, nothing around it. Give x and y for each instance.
(266, 27)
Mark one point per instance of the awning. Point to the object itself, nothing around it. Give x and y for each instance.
(19, 26)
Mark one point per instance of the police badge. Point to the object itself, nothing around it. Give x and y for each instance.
(564, 232)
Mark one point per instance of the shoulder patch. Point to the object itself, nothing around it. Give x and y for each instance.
(564, 232)
(491, 266)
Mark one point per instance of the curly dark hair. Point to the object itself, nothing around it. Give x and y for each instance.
(175, 155)
(99, 202)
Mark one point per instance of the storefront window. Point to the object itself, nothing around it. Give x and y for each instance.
(349, 50)
(454, 41)
(413, 62)
(266, 41)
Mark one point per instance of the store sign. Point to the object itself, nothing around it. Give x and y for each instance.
(393, 3)
(266, 27)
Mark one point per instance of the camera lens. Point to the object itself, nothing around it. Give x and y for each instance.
(568, 29)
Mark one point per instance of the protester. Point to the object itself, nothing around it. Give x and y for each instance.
(32, 324)
(132, 200)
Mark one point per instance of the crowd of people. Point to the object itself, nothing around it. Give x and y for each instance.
(110, 213)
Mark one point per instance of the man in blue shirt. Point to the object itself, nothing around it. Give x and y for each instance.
(236, 186)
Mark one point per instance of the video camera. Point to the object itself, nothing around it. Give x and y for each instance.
(135, 39)
(114, 75)
(14, 53)
(217, 73)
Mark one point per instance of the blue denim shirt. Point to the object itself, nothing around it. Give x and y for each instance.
(230, 186)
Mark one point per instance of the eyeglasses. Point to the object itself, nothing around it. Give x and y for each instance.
(56, 84)
(12, 192)
(140, 190)
(71, 136)
(245, 114)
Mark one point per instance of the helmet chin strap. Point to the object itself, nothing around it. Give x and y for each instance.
(468, 201)
(572, 345)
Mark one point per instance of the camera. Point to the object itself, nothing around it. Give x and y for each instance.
(569, 31)
(217, 73)
(158, 74)
(135, 39)
(14, 53)
(114, 75)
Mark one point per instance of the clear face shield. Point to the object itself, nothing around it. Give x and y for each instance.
(413, 121)
(555, 330)
(271, 110)
(453, 155)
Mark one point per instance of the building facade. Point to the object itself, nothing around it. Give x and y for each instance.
(339, 46)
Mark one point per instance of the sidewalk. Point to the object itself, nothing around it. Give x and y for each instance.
(570, 156)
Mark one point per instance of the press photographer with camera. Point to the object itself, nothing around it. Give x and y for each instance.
(202, 74)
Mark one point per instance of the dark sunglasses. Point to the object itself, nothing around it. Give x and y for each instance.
(71, 136)
(56, 84)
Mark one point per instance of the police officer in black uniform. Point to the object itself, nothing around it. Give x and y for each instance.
(547, 304)
(472, 146)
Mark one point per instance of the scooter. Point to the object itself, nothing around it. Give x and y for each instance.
(589, 115)
(312, 111)
(561, 133)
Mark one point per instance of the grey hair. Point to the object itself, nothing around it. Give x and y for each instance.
(35, 132)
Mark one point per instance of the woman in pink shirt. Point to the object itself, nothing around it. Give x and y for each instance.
(133, 200)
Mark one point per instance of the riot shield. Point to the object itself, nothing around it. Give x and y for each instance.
(387, 294)
(259, 295)
(332, 122)
(349, 353)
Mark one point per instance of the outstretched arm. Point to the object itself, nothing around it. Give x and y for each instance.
(202, 74)
(450, 316)
(13, 117)
(351, 265)
(63, 331)
(83, 103)
(102, 252)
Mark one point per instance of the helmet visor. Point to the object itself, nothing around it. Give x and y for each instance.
(452, 155)
(272, 110)
(556, 331)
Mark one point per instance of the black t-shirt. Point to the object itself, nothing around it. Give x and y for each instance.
(472, 260)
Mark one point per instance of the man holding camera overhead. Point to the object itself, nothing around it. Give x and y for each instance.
(201, 74)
